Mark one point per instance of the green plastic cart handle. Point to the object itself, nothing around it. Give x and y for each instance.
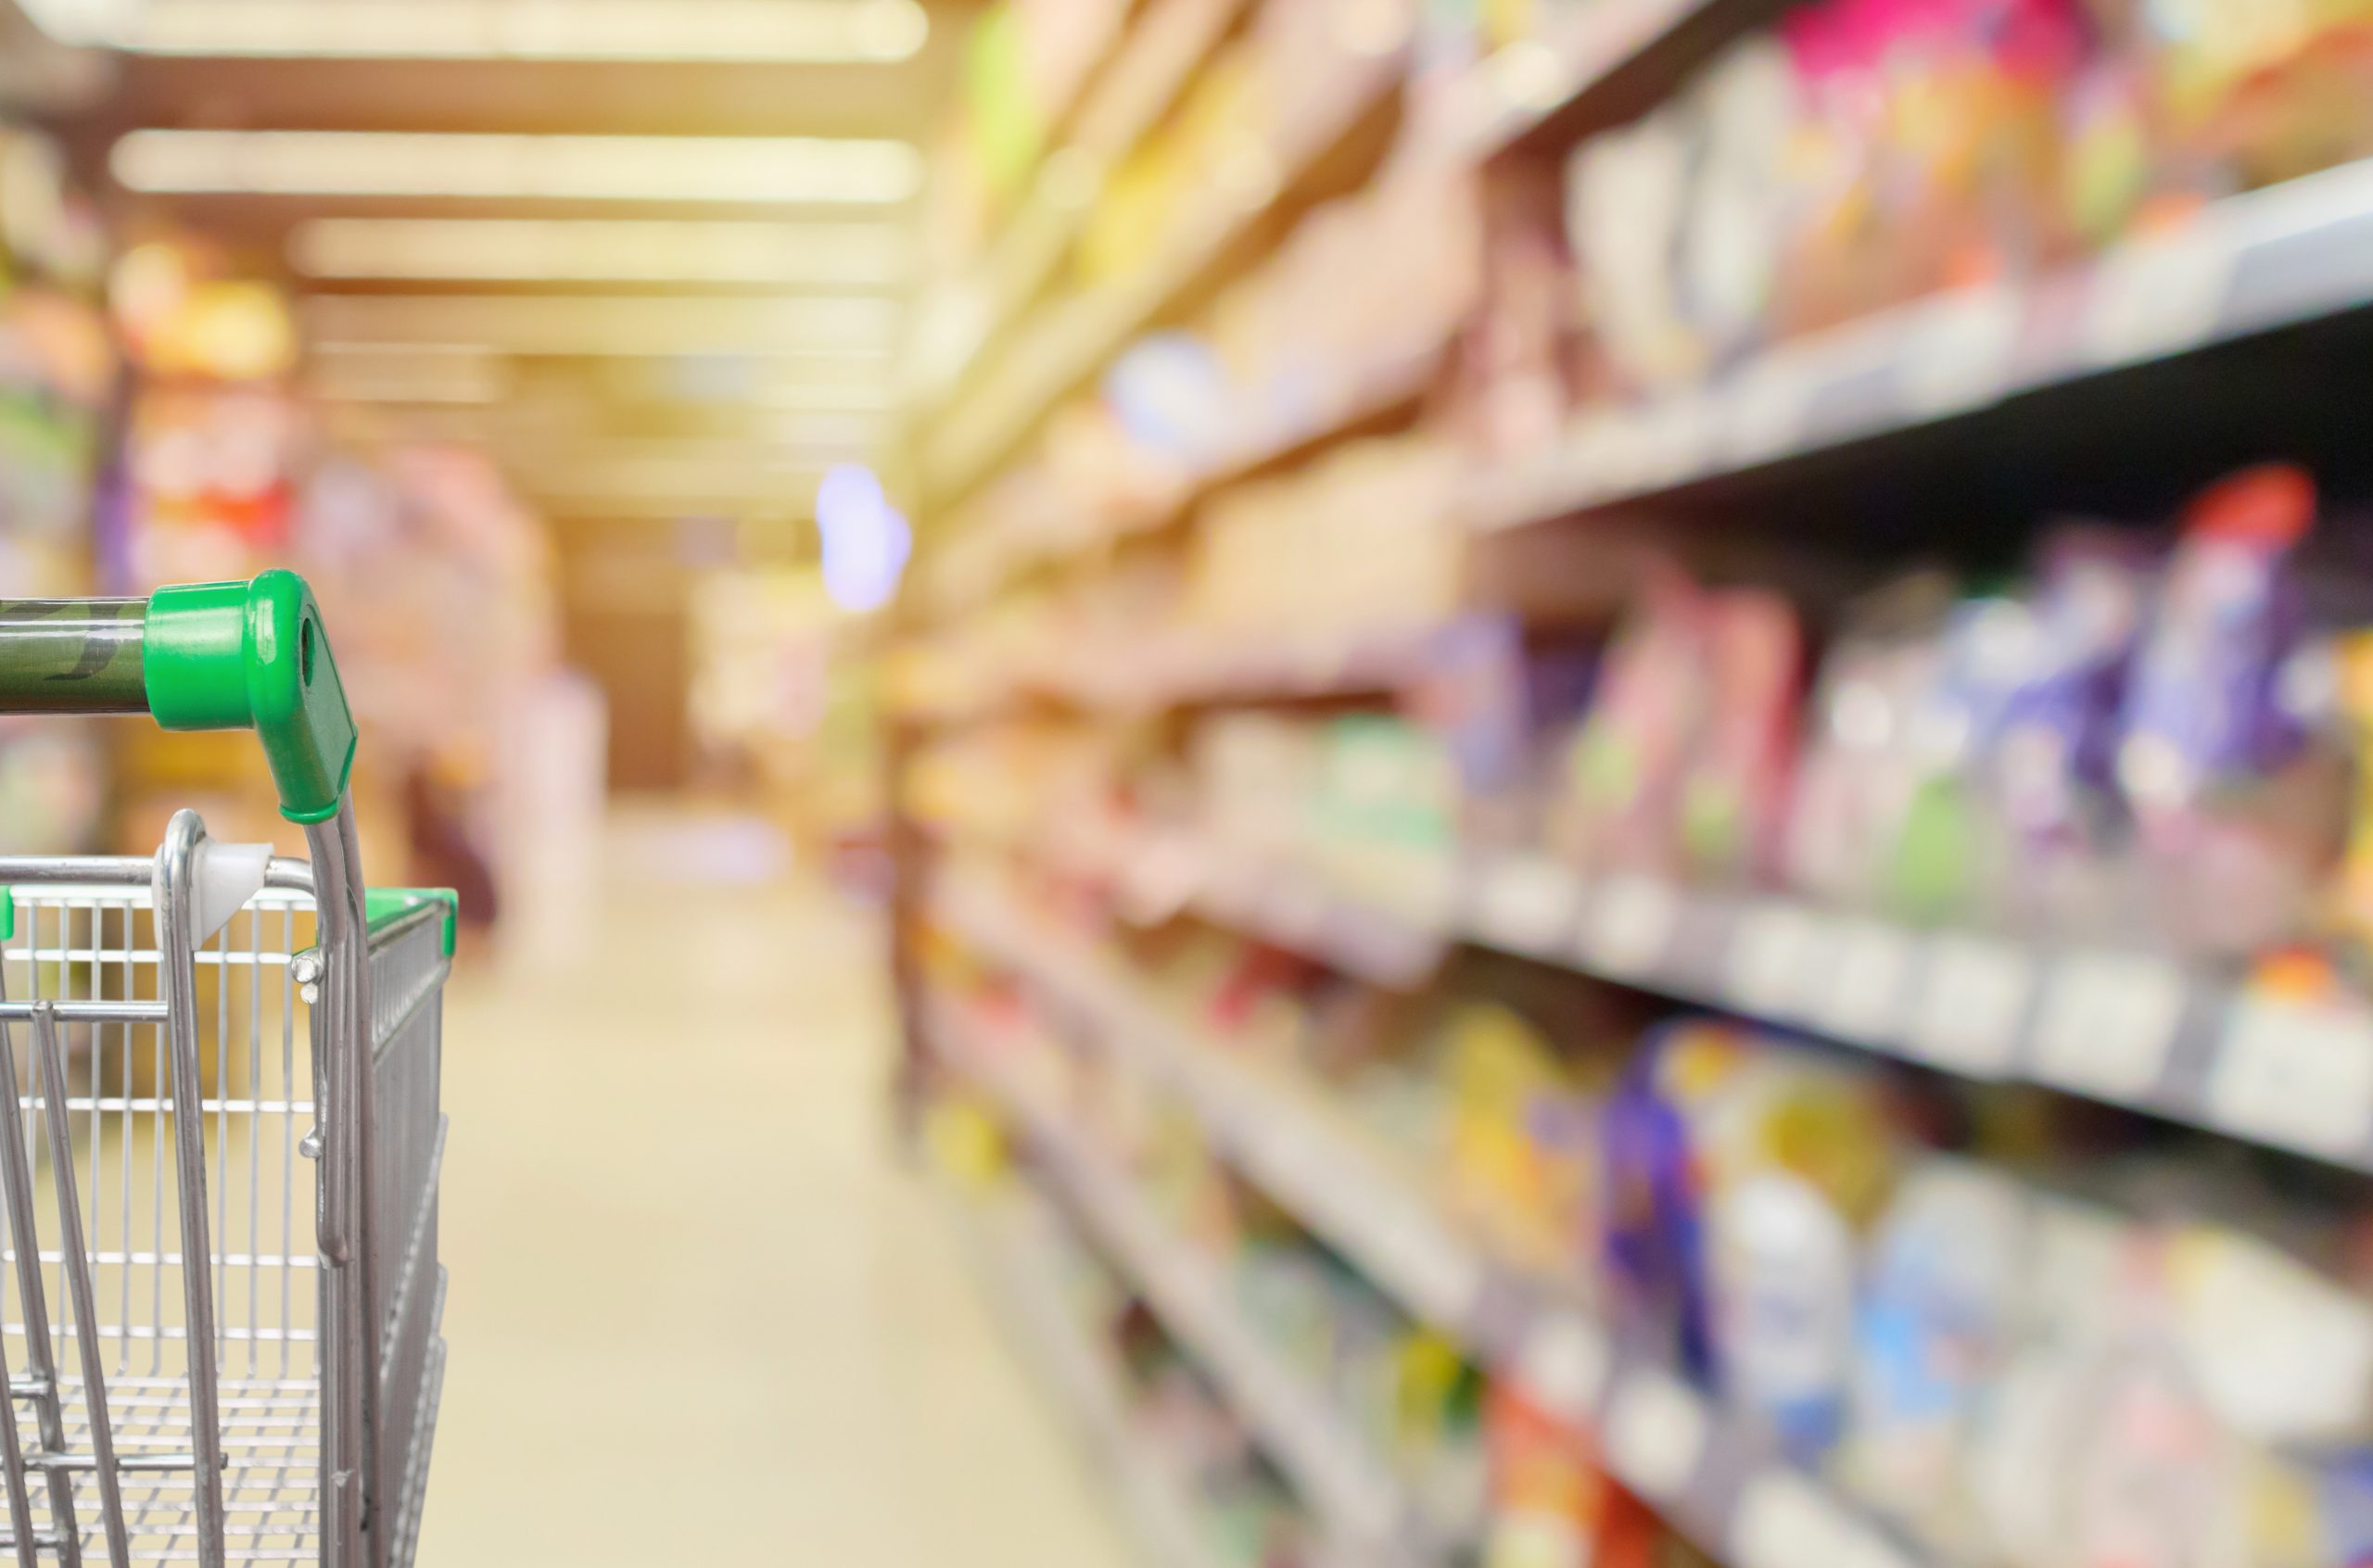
(207, 656)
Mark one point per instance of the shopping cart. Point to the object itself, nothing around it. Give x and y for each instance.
(198, 1370)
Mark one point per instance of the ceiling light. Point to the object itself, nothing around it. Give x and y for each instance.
(829, 398)
(756, 170)
(606, 326)
(492, 249)
(362, 380)
(743, 379)
(751, 31)
(831, 432)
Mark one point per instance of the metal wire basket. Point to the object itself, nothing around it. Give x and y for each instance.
(220, 1320)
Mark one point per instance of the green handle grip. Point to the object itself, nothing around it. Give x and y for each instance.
(247, 655)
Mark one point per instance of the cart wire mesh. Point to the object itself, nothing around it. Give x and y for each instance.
(93, 1312)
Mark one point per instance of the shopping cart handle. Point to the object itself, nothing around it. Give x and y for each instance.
(203, 656)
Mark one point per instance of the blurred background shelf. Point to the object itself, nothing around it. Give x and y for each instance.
(1366, 1512)
(1057, 354)
(1004, 1234)
(2292, 253)
(2125, 1027)
(1677, 1448)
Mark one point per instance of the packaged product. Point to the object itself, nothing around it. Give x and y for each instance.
(1517, 360)
(1927, 157)
(1942, 1289)
(1734, 782)
(1518, 1156)
(2233, 814)
(1738, 1168)
(1548, 1499)
(2249, 92)
(1862, 762)
(1625, 767)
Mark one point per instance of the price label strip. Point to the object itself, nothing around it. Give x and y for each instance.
(1563, 1364)
(1657, 1434)
(2107, 1023)
(1869, 982)
(1972, 997)
(1629, 928)
(1527, 905)
(1960, 349)
(1779, 955)
(2297, 1077)
(1785, 1519)
(2150, 297)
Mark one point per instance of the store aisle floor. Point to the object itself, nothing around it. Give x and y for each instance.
(699, 1313)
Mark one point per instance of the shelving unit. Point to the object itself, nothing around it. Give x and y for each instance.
(2125, 1027)
(2291, 253)
(1714, 1474)
(1722, 479)
(1001, 1238)
(1365, 1511)
(1120, 99)
(1054, 357)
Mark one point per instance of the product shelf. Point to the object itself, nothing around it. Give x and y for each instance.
(1615, 59)
(1353, 400)
(1010, 1256)
(2121, 1025)
(2285, 255)
(1146, 71)
(1525, 89)
(1365, 1511)
(1155, 672)
(1079, 337)
(1711, 1473)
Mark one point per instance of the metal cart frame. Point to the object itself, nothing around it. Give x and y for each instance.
(321, 1457)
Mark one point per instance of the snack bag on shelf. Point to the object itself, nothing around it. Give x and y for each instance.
(1860, 768)
(1738, 1168)
(2251, 92)
(1517, 1160)
(1746, 109)
(1624, 770)
(1384, 815)
(2058, 735)
(1734, 783)
(1627, 192)
(1941, 1292)
(1517, 358)
(1550, 1500)
(2230, 806)
(1927, 157)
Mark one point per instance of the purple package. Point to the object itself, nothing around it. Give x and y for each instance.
(2056, 740)
(2203, 707)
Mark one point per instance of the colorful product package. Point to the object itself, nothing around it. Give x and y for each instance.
(1941, 1292)
(1625, 764)
(1734, 784)
(1739, 1167)
(2227, 802)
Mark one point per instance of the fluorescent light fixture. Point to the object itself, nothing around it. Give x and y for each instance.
(426, 164)
(592, 250)
(689, 478)
(424, 373)
(594, 327)
(825, 396)
(751, 31)
(829, 432)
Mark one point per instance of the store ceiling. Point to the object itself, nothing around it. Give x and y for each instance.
(610, 323)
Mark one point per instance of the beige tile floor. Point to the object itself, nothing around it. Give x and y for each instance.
(699, 1313)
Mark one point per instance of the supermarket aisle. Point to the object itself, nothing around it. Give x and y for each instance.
(699, 1313)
